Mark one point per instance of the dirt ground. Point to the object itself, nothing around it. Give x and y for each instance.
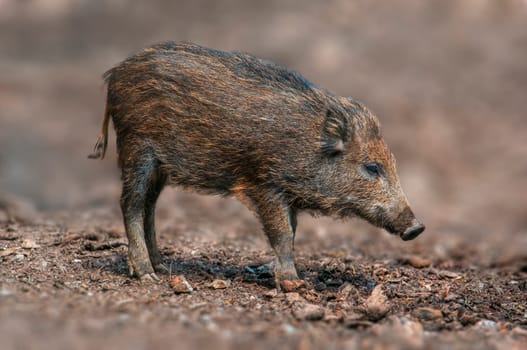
(65, 285)
(447, 81)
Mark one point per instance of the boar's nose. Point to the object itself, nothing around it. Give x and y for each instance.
(413, 231)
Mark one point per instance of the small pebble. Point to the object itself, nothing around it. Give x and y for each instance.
(418, 262)
(486, 326)
(308, 312)
(376, 306)
(180, 284)
(428, 313)
(19, 257)
(220, 284)
(448, 274)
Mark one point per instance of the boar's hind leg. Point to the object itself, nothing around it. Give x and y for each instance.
(136, 180)
(154, 189)
(279, 222)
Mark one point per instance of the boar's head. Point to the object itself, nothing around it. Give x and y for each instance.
(358, 174)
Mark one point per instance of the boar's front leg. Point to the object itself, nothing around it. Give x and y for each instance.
(279, 224)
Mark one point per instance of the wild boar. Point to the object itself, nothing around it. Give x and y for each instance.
(229, 123)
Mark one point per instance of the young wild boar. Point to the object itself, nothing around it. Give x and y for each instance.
(229, 123)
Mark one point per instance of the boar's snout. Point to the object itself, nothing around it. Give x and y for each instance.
(405, 225)
(413, 231)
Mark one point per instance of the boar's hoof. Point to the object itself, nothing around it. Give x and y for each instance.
(143, 271)
(292, 285)
(149, 278)
(161, 268)
(282, 275)
(413, 231)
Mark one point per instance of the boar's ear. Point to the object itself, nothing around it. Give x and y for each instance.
(334, 132)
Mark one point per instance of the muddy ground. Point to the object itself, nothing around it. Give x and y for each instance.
(447, 80)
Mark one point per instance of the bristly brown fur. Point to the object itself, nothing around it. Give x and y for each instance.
(230, 123)
(99, 150)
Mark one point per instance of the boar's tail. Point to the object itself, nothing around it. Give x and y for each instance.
(102, 141)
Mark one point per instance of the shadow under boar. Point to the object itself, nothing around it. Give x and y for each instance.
(230, 123)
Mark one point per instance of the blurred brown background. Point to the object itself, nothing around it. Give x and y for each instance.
(447, 79)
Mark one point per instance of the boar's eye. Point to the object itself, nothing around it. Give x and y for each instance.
(373, 169)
